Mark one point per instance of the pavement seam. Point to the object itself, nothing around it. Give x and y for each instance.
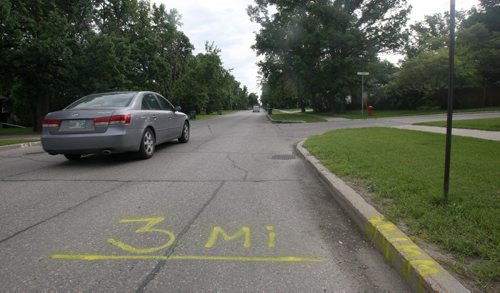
(62, 212)
(417, 268)
(235, 165)
(152, 275)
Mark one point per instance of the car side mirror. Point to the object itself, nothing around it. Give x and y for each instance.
(177, 108)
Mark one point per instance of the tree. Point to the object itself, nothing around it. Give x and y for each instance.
(431, 34)
(480, 41)
(252, 99)
(37, 45)
(206, 84)
(55, 51)
(423, 74)
(313, 49)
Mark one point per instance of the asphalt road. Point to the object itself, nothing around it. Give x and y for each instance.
(233, 210)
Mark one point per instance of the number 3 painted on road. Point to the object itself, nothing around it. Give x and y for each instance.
(151, 222)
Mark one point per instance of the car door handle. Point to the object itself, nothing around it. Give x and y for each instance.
(154, 117)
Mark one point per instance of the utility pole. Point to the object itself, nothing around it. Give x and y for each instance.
(449, 120)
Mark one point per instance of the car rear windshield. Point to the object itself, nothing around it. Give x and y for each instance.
(103, 101)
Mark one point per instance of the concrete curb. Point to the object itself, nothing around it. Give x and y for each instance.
(422, 273)
(282, 121)
(18, 145)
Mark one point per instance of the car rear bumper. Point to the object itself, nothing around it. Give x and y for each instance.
(113, 140)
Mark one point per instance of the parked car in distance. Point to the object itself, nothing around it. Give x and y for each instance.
(114, 122)
(256, 109)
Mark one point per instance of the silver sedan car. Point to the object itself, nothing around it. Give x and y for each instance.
(114, 123)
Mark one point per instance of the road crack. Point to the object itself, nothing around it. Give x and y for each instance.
(235, 165)
(152, 275)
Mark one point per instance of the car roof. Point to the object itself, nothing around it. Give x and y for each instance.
(121, 92)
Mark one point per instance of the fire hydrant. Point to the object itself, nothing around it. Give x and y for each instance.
(371, 110)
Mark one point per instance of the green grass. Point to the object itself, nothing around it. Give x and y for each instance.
(17, 131)
(214, 114)
(14, 141)
(356, 114)
(491, 124)
(403, 172)
(293, 110)
(296, 117)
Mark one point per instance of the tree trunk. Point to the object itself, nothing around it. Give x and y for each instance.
(42, 108)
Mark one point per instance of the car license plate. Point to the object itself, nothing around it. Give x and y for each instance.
(77, 124)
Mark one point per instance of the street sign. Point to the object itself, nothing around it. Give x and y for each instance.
(363, 73)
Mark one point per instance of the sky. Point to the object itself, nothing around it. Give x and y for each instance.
(227, 25)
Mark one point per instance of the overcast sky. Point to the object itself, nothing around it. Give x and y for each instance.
(226, 23)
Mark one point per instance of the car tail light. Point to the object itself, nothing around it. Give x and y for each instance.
(51, 123)
(100, 121)
(115, 119)
(120, 119)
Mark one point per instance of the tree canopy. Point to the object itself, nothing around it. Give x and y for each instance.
(55, 51)
(422, 80)
(312, 49)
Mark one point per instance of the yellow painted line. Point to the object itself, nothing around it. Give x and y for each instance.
(95, 257)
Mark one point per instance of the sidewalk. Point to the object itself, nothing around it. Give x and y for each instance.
(482, 134)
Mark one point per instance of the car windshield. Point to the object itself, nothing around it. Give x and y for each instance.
(103, 101)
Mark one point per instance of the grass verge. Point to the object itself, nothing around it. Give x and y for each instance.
(14, 141)
(402, 172)
(17, 131)
(297, 117)
(282, 116)
(356, 114)
(293, 110)
(214, 115)
(490, 124)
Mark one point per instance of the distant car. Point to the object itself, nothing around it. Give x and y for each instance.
(114, 122)
(256, 109)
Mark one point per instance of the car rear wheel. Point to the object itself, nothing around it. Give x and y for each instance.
(73, 157)
(147, 144)
(185, 133)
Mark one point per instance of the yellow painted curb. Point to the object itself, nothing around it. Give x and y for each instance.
(422, 273)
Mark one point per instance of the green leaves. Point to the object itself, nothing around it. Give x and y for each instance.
(423, 76)
(313, 49)
(56, 51)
